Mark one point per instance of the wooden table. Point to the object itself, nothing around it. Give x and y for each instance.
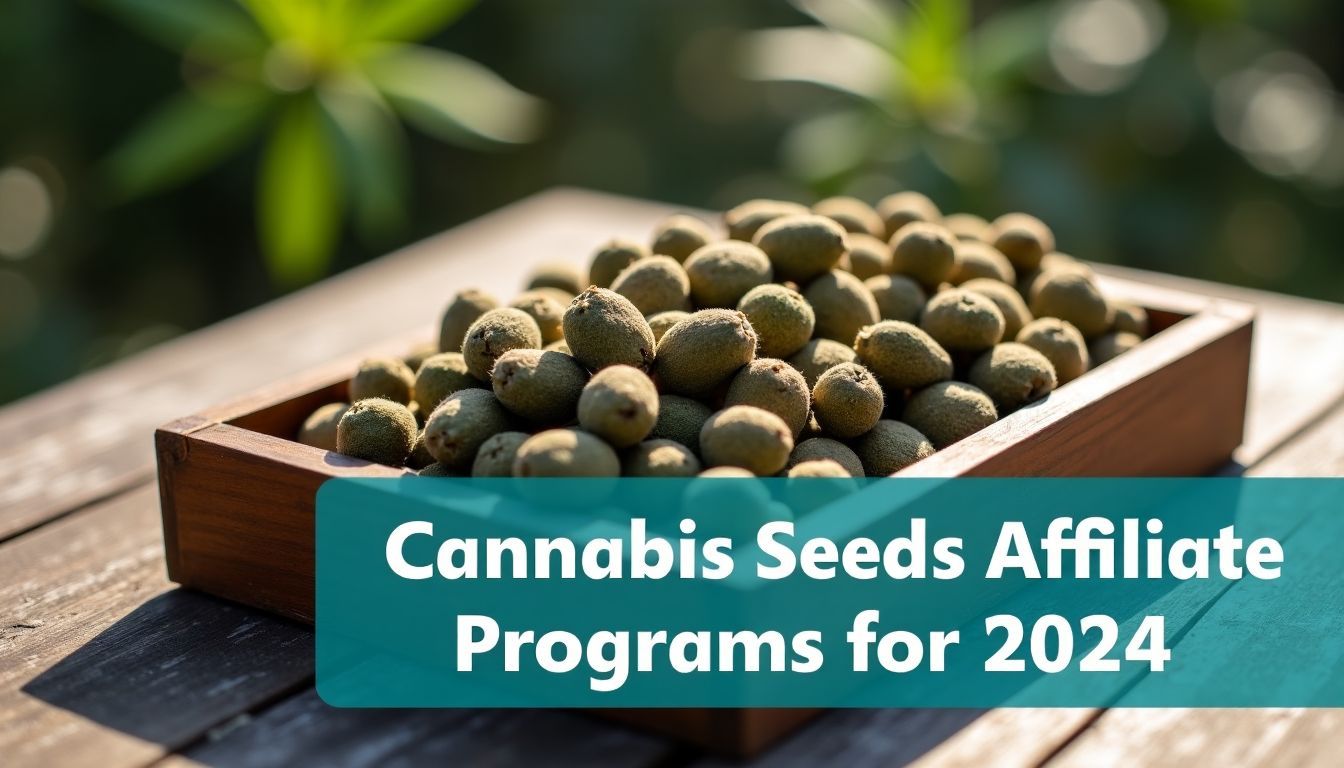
(104, 663)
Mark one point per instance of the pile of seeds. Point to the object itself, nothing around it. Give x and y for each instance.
(842, 340)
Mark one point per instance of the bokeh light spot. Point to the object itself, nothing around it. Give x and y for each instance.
(1279, 112)
(25, 212)
(1097, 45)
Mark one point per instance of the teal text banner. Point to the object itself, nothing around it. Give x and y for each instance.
(729, 592)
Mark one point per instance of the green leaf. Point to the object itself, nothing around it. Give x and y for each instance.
(873, 20)
(820, 56)
(408, 20)
(452, 97)
(299, 196)
(280, 18)
(185, 137)
(373, 150)
(219, 26)
(934, 38)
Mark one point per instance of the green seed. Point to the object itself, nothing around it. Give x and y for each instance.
(746, 219)
(891, 446)
(826, 449)
(843, 304)
(495, 333)
(774, 386)
(722, 273)
(565, 453)
(1030, 282)
(464, 310)
(1111, 345)
(702, 351)
(653, 285)
(819, 468)
(603, 328)
(440, 376)
(967, 227)
(1130, 318)
(680, 235)
(619, 405)
(1072, 296)
(781, 317)
(680, 419)
(962, 321)
(1061, 344)
(802, 247)
(818, 356)
(495, 456)
(747, 437)
(542, 306)
(979, 260)
(902, 356)
(556, 274)
(904, 207)
(1024, 239)
(660, 458)
(540, 386)
(377, 430)
(461, 423)
(319, 429)
(847, 400)
(660, 322)
(385, 377)
(868, 256)
(438, 470)
(925, 252)
(853, 214)
(1007, 299)
(611, 258)
(898, 297)
(1013, 375)
(949, 411)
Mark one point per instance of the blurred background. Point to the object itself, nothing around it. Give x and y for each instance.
(168, 163)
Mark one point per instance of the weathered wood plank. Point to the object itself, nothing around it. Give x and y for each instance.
(102, 662)
(303, 731)
(108, 437)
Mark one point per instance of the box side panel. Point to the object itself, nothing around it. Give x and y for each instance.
(1185, 418)
(241, 506)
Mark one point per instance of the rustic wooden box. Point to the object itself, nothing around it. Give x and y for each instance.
(238, 493)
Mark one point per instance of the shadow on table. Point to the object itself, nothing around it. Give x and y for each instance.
(178, 665)
(184, 663)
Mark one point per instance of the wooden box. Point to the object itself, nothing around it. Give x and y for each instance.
(238, 493)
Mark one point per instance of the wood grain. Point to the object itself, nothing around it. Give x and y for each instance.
(103, 662)
(303, 731)
(108, 435)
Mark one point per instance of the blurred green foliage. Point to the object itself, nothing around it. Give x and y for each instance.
(330, 76)
(1209, 144)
